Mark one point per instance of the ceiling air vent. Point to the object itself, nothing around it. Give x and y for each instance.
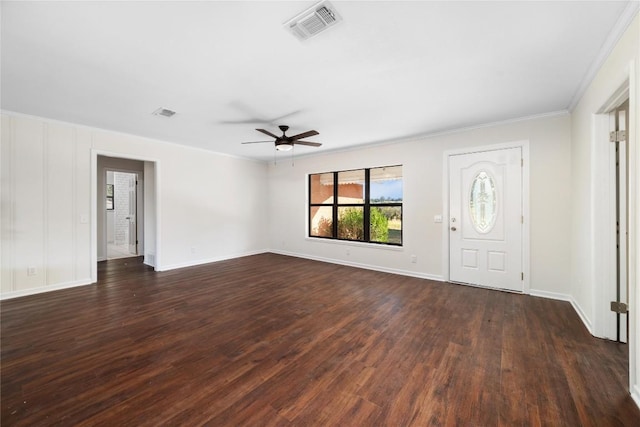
(314, 20)
(164, 112)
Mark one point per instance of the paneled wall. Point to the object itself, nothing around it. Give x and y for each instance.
(45, 205)
(206, 203)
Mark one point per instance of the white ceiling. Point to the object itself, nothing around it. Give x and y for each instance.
(390, 70)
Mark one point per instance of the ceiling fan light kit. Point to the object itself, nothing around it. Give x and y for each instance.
(284, 146)
(286, 143)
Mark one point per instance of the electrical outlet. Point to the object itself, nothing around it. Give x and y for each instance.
(348, 252)
(193, 249)
(31, 271)
(414, 259)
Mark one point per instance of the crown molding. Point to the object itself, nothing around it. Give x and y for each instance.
(607, 47)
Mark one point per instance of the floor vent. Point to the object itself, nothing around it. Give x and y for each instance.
(313, 21)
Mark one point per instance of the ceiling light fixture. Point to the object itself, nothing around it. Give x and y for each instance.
(284, 147)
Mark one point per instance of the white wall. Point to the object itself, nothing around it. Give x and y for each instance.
(210, 206)
(621, 65)
(422, 160)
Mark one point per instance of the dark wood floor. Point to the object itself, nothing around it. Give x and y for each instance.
(274, 340)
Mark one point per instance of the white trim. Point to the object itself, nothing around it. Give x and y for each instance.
(550, 295)
(526, 236)
(418, 275)
(600, 163)
(39, 290)
(610, 43)
(615, 100)
(634, 231)
(210, 260)
(367, 245)
(582, 315)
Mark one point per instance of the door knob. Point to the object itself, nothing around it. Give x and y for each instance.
(453, 229)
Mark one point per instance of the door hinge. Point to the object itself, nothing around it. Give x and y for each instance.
(522, 276)
(522, 219)
(619, 307)
(617, 136)
(522, 163)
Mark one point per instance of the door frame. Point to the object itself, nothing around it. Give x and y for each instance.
(524, 147)
(139, 201)
(153, 191)
(604, 240)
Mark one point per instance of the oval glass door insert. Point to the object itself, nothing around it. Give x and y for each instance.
(482, 202)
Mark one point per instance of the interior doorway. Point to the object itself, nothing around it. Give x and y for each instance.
(123, 216)
(619, 140)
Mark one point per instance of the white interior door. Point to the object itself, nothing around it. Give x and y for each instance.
(485, 219)
(619, 119)
(133, 234)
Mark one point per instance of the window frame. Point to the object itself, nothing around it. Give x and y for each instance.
(366, 205)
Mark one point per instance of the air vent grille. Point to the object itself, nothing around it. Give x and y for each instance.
(326, 15)
(312, 21)
(164, 112)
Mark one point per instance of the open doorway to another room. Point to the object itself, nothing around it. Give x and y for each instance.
(121, 208)
(123, 215)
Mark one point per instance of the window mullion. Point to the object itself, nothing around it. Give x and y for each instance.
(335, 206)
(367, 206)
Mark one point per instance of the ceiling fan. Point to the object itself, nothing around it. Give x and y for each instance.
(286, 143)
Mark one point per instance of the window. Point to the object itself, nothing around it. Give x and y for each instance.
(363, 205)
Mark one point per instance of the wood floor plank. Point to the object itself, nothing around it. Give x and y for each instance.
(269, 340)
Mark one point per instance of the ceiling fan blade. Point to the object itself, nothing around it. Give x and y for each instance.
(304, 135)
(255, 142)
(266, 132)
(309, 143)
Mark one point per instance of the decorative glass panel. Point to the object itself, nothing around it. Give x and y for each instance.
(482, 202)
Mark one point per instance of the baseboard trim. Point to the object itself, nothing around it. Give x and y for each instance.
(635, 395)
(208, 260)
(583, 316)
(550, 295)
(565, 297)
(43, 289)
(418, 275)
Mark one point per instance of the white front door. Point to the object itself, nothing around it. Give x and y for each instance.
(485, 219)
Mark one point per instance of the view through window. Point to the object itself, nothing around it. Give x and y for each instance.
(362, 205)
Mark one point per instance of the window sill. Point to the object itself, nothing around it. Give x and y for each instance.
(357, 244)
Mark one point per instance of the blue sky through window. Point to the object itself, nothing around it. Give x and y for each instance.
(389, 189)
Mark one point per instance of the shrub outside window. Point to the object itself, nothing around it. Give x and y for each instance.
(363, 205)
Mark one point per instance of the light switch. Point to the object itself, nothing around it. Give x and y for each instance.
(437, 218)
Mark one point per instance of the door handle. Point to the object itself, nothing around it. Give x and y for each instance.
(453, 229)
